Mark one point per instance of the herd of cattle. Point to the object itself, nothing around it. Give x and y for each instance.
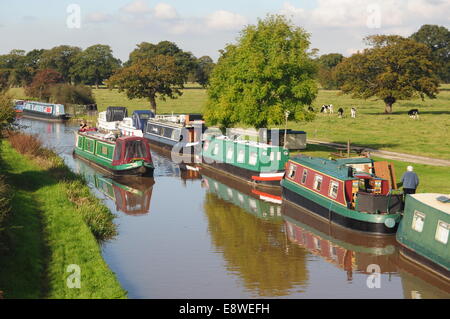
(329, 109)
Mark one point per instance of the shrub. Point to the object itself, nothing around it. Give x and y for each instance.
(71, 94)
(42, 83)
(7, 113)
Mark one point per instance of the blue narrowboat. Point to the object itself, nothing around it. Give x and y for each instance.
(44, 111)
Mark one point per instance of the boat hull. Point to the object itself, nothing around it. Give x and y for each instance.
(243, 175)
(44, 116)
(342, 216)
(141, 169)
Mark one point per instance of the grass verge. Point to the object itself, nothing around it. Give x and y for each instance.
(55, 222)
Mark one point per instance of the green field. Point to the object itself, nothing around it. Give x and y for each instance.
(429, 136)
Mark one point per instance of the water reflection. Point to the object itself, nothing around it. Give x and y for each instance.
(248, 232)
(348, 250)
(208, 236)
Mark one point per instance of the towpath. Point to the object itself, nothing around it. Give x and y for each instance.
(388, 154)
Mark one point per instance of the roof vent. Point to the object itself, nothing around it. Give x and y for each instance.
(444, 199)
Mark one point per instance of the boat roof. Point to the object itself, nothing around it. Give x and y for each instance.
(354, 160)
(431, 199)
(338, 169)
(245, 142)
(142, 112)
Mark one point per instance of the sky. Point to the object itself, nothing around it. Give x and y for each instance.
(204, 27)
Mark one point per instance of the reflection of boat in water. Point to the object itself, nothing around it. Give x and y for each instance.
(261, 204)
(132, 195)
(165, 167)
(344, 248)
(255, 250)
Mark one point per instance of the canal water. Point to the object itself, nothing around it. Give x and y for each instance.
(186, 235)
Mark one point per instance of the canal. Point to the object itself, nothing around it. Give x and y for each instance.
(186, 235)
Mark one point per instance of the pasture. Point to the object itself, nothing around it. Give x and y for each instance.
(428, 136)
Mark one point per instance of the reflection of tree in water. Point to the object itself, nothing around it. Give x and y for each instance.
(255, 249)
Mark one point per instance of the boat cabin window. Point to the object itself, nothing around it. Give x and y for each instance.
(241, 156)
(442, 232)
(334, 188)
(304, 176)
(292, 170)
(253, 158)
(318, 182)
(418, 221)
(215, 149)
(230, 153)
(135, 149)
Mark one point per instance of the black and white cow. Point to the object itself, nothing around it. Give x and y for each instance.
(414, 114)
(327, 109)
(353, 111)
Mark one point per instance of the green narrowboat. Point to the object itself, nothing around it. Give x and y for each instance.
(255, 163)
(264, 205)
(345, 192)
(424, 232)
(123, 156)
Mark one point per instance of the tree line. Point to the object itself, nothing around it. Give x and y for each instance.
(268, 75)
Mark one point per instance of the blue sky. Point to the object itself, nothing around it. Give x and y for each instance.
(206, 26)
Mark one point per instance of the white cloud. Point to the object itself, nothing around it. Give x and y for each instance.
(225, 20)
(98, 17)
(164, 11)
(137, 7)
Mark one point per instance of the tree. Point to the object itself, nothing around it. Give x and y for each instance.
(157, 76)
(205, 65)
(437, 38)
(327, 65)
(65, 93)
(42, 82)
(94, 65)
(394, 68)
(185, 61)
(267, 73)
(61, 58)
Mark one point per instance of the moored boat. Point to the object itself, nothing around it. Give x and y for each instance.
(424, 232)
(109, 120)
(255, 163)
(43, 111)
(135, 125)
(345, 192)
(121, 156)
(264, 205)
(179, 134)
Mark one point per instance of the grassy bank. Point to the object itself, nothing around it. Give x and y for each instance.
(54, 222)
(428, 136)
(433, 179)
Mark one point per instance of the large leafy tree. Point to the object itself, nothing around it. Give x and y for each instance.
(202, 72)
(42, 82)
(268, 72)
(185, 61)
(394, 68)
(61, 59)
(150, 78)
(437, 38)
(327, 75)
(94, 65)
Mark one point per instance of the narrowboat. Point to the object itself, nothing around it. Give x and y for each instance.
(135, 125)
(264, 205)
(18, 106)
(179, 134)
(423, 234)
(44, 111)
(109, 120)
(347, 250)
(256, 163)
(121, 156)
(345, 192)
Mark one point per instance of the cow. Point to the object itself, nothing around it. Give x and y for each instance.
(311, 109)
(353, 111)
(324, 109)
(341, 112)
(331, 109)
(414, 114)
